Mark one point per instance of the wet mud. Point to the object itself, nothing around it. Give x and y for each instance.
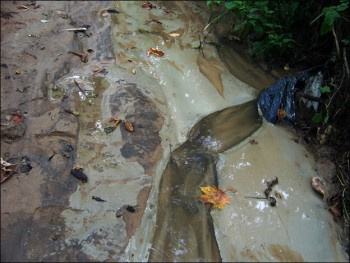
(176, 105)
(184, 227)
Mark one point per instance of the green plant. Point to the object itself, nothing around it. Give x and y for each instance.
(320, 117)
(330, 15)
(261, 18)
(281, 44)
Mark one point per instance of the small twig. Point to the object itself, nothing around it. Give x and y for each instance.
(76, 83)
(336, 42)
(217, 18)
(346, 65)
(76, 29)
(83, 56)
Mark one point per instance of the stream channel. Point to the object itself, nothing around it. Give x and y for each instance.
(193, 121)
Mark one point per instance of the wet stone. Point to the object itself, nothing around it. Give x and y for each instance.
(143, 144)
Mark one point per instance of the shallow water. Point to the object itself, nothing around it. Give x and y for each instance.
(184, 229)
(193, 121)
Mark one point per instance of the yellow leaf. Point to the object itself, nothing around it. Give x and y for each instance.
(215, 196)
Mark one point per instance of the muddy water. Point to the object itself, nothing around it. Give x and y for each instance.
(177, 101)
(184, 228)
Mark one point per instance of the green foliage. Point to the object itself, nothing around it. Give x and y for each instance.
(319, 118)
(325, 89)
(345, 42)
(280, 44)
(331, 14)
(273, 23)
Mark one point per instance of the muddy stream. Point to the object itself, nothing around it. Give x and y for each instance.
(193, 115)
(185, 230)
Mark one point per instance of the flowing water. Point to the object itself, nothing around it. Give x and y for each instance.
(193, 119)
(185, 230)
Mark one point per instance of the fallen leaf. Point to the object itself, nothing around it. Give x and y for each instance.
(97, 70)
(115, 121)
(278, 195)
(98, 199)
(253, 142)
(22, 7)
(317, 185)
(78, 166)
(215, 196)
(75, 113)
(154, 51)
(79, 174)
(55, 236)
(153, 20)
(125, 208)
(109, 129)
(5, 164)
(112, 11)
(174, 34)
(84, 57)
(5, 175)
(335, 211)
(147, 6)
(128, 126)
(16, 119)
(6, 170)
(234, 38)
(61, 14)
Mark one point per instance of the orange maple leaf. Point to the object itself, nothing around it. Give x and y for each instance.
(215, 196)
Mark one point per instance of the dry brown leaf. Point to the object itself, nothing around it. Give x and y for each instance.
(253, 142)
(128, 126)
(335, 211)
(317, 185)
(5, 164)
(147, 6)
(6, 170)
(16, 119)
(154, 51)
(22, 7)
(97, 70)
(115, 121)
(215, 196)
(84, 57)
(278, 195)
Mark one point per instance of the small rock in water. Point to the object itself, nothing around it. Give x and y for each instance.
(79, 174)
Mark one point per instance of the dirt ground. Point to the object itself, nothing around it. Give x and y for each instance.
(41, 139)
